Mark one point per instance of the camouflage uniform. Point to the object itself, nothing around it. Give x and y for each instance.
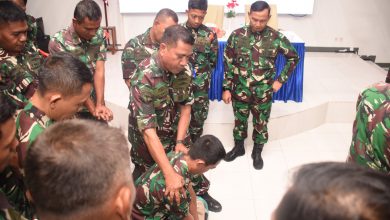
(18, 75)
(136, 50)
(13, 194)
(204, 59)
(154, 98)
(89, 52)
(249, 74)
(150, 201)
(370, 145)
(32, 43)
(30, 122)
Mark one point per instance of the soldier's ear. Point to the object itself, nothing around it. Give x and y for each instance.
(123, 202)
(53, 99)
(163, 48)
(200, 162)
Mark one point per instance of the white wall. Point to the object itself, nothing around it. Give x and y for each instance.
(334, 23)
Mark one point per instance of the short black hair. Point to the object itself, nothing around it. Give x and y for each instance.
(388, 76)
(7, 109)
(197, 4)
(260, 6)
(10, 12)
(64, 73)
(87, 9)
(336, 191)
(166, 13)
(176, 33)
(75, 166)
(207, 148)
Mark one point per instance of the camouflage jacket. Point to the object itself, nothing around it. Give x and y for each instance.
(136, 50)
(32, 43)
(155, 94)
(13, 199)
(250, 61)
(18, 75)
(87, 51)
(150, 202)
(30, 122)
(204, 57)
(370, 145)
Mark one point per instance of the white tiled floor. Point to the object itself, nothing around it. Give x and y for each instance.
(248, 194)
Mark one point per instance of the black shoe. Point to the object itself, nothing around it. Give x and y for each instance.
(258, 162)
(238, 150)
(213, 205)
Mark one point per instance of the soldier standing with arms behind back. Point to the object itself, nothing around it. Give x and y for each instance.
(249, 83)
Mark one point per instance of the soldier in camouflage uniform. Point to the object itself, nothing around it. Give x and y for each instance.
(18, 66)
(97, 188)
(370, 145)
(8, 142)
(150, 203)
(249, 83)
(64, 85)
(160, 88)
(31, 44)
(203, 60)
(85, 39)
(144, 45)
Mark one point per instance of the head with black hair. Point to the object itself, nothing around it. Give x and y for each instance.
(175, 49)
(8, 141)
(64, 84)
(205, 154)
(86, 19)
(165, 18)
(336, 191)
(80, 169)
(259, 15)
(388, 76)
(21, 3)
(13, 28)
(196, 12)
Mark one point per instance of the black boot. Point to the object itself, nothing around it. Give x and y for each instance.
(238, 150)
(258, 162)
(213, 205)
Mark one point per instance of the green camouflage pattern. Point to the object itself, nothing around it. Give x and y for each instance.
(32, 43)
(151, 203)
(249, 74)
(370, 146)
(155, 96)
(30, 122)
(89, 52)
(18, 75)
(13, 199)
(136, 50)
(203, 60)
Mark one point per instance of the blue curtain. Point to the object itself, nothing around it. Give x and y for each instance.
(291, 90)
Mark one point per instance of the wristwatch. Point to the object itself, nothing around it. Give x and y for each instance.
(179, 142)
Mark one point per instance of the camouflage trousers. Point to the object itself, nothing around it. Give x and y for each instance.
(199, 112)
(260, 112)
(139, 152)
